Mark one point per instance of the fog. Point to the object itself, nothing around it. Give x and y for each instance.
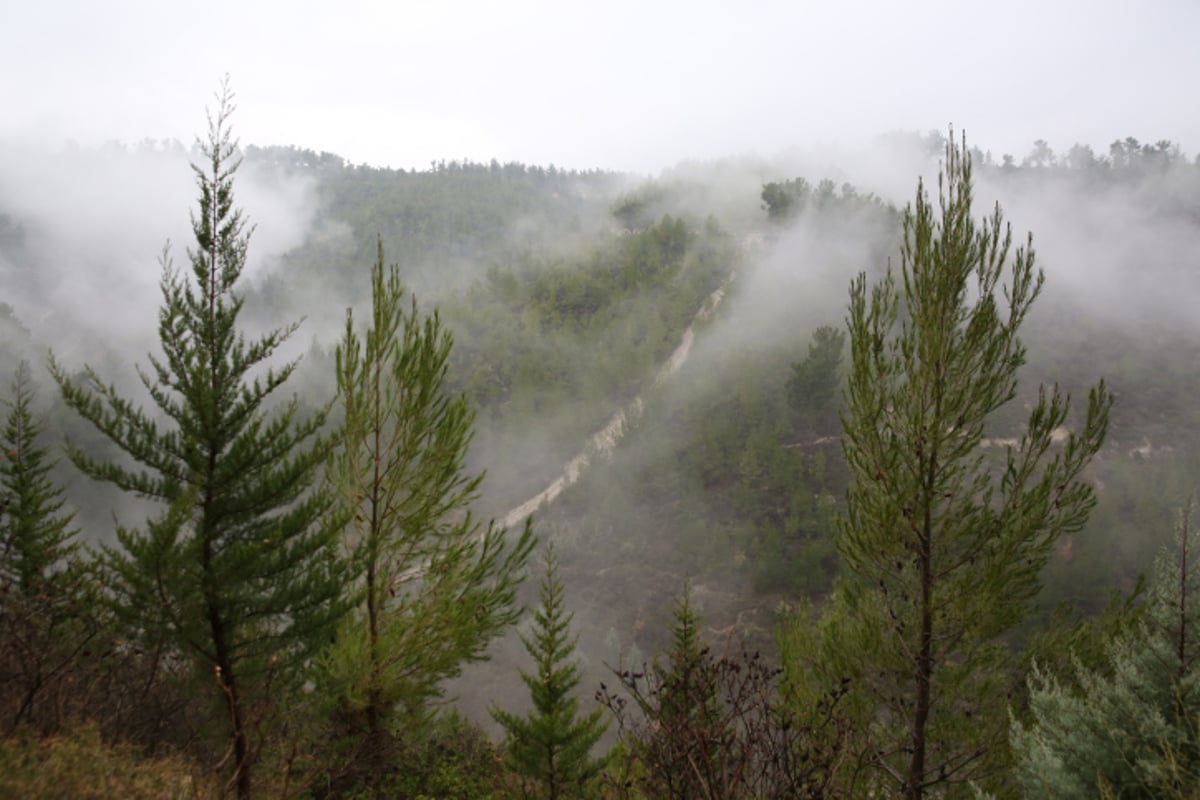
(622, 85)
(708, 109)
(1121, 256)
(85, 275)
(83, 272)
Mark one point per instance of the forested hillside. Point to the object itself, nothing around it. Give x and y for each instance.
(713, 306)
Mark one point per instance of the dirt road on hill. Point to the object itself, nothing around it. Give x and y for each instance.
(603, 440)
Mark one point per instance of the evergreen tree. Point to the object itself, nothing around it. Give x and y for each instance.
(1133, 729)
(943, 549)
(685, 699)
(437, 585)
(813, 386)
(46, 618)
(236, 572)
(551, 745)
(38, 539)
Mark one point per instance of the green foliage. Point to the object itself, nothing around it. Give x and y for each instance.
(1069, 638)
(436, 585)
(684, 700)
(639, 209)
(551, 746)
(720, 479)
(779, 198)
(37, 538)
(442, 223)
(447, 757)
(1130, 729)
(48, 618)
(786, 200)
(943, 551)
(813, 385)
(624, 305)
(235, 574)
(450, 759)
(561, 339)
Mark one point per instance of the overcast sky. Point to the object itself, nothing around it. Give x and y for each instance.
(623, 85)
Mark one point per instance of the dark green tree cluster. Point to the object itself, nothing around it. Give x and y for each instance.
(574, 329)
(63, 658)
(1127, 156)
(786, 200)
(815, 382)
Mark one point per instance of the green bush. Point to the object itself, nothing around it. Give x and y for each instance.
(450, 758)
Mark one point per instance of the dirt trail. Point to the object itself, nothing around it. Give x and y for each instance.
(603, 440)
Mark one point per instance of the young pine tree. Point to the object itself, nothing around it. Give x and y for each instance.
(686, 699)
(942, 549)
(812, 388)
(236, 573)
(436, 584)
(38, 539)
(551, 746)
(46, 618)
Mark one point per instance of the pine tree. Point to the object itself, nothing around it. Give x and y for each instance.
(687, 709)
(437, 585)
(812, 388)
(1133, 729)
(46, 619)
(38, 539)
(236, 572)
(686, 699)
(551, 746)
(943, 549)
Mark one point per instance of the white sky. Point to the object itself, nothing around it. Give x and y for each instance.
(613, 84)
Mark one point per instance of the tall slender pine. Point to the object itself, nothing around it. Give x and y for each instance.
(237, 570)
(944, 548)
(437, 584)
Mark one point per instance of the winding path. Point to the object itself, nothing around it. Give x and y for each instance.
(603, 440)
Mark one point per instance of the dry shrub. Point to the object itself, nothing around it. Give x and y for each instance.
(79, 765)
(713, 728)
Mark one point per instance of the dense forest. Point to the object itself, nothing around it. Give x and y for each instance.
(749, 480)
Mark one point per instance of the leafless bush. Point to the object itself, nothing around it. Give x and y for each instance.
(713, 728)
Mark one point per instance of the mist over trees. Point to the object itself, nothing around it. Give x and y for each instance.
(833, 546)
